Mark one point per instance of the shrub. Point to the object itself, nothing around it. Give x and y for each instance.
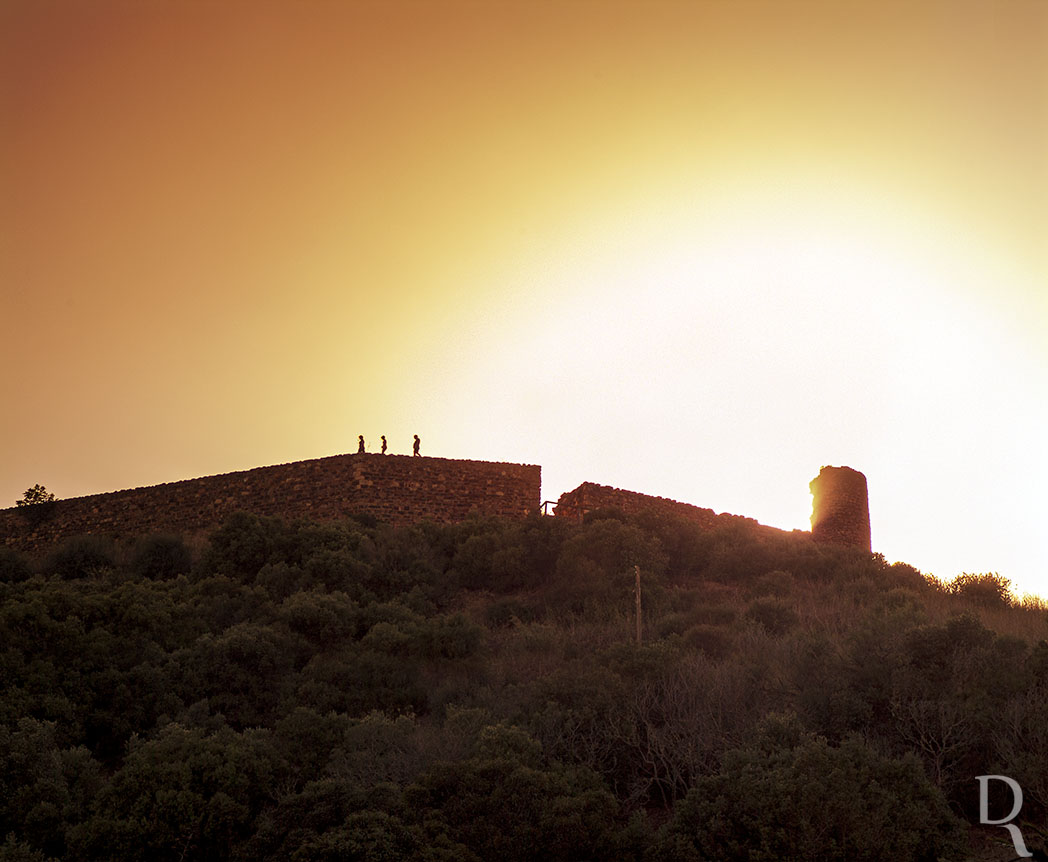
(504, 612)
(713, 615)
(671, 624)
(711, 640)
(792, 795)
(82, 557)
(504, 804)
(13, 567)
(439, 637)
(357, 681)
(281, 580)
(595, 570)
(343, 570)
(777, 583)
(451, 637)
(989, 590)
(773, 615)
(242, 545)
(18, 851)
(324, 619)
(160, 557)
(472, 565)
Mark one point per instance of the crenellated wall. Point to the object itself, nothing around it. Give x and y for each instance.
(397, 489)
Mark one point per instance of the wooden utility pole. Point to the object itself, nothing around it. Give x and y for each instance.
(636, 570)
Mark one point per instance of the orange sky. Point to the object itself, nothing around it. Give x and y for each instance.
(692, 249)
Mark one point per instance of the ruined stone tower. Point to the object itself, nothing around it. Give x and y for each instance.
(840, 508)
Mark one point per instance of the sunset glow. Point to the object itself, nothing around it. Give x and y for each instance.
(696, 250)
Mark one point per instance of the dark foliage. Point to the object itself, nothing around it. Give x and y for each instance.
(791, 795)
(82, 557)
(352, 691)
(37, 506)
(160, 556)
(990, 590)
(14, 568)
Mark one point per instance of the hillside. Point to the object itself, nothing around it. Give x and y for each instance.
(351, 690)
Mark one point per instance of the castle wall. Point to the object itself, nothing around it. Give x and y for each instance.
(397, 489)
(840, 508)
(588, 497)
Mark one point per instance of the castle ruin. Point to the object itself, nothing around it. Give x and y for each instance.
(398, 490)
(840, 508)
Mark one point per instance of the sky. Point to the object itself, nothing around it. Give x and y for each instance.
(693, 249)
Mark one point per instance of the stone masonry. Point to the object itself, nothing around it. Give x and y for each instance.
(397, 489)
(588, 497)
(840, 508)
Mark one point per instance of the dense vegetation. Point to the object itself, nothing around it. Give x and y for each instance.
(349, 691)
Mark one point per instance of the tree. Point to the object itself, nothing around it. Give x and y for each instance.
(506, 803)
(37, 505)
(792, 795)
(36, 494)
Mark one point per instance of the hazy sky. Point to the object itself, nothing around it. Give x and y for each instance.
(693, 249)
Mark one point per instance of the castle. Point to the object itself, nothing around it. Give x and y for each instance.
(396, 489)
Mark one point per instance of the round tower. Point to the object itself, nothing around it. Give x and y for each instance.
(840, 508)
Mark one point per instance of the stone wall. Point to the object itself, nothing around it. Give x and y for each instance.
(587, 497)
(397, 489)
(840, 508)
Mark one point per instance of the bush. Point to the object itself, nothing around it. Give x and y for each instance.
(82, 557)
(504, 804)
(358, 680)
(439, 637)
(17, 851)
(989, 590)
(774, 616)
(324, 619)
(160, 557)
(713, 641)
(777, 583)
(280, 580)
(713, 615)
(472, 565)
(13, 567)
(242, 545)
(792, 795)
(508, 612)
(595, 570)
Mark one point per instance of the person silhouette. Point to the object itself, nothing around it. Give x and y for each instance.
(414, 449)
(383, 444)
(360, 444)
